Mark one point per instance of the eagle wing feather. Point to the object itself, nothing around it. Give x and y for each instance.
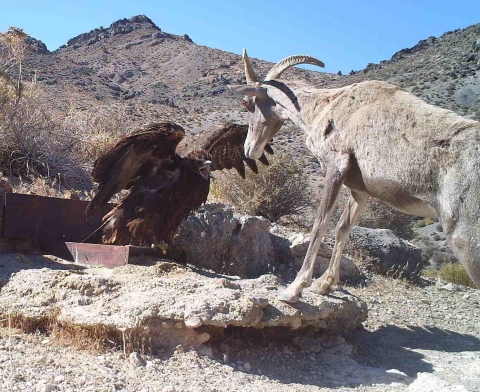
(225, 145)
(150, 148)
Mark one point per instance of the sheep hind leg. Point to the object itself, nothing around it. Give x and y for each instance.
(334, 178)
(464, 240)
(349, 216)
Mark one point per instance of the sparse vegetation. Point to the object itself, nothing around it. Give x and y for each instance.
(277, 191)
(36, 143)
(452, 272)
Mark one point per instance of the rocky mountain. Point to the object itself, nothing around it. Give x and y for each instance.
(134, 61)
(154, 75)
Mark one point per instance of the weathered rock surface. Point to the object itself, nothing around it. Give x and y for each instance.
(241, 245)
(432, 241)
(383, 252)
(216, 239)
(168, 304)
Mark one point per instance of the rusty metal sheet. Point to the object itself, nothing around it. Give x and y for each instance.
(48, 220)
(57, 226)
(91, 255)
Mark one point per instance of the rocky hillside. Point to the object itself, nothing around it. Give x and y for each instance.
(133, 61)
(150, 75)
(443, 71)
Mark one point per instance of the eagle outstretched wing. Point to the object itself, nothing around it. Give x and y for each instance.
(225, 145)
(148, 149)
(166, 177)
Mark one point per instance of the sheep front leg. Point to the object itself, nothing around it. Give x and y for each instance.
(333, 183)
(356, 202)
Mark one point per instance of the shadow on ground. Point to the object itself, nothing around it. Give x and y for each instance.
(364, 360)
(11, 263)
(390, 347)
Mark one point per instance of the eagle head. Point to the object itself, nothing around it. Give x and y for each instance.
(200, 161)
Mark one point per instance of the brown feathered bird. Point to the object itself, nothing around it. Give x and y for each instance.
(165, 178)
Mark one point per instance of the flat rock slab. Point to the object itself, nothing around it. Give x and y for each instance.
(168, 303)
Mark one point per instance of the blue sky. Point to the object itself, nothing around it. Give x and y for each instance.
(344, 35)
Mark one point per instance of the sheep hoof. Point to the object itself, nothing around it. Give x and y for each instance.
(321, 287)
(287, 296)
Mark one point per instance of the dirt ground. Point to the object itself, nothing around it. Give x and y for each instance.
(416, 338)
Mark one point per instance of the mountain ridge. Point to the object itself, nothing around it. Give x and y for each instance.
(133, 59)
(151, 75)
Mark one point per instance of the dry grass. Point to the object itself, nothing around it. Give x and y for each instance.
(94, 131)
(277, 191)
(36, 142)
(48, 187)
(454, 273)
(94, 338)
(457, 274)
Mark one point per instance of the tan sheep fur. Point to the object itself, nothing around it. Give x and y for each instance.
(380, 141)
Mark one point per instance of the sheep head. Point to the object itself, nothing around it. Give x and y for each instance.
(269, 103)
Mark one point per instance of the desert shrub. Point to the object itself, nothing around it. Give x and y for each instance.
(94, 131)
(30, 143)
(457, 274)
(36, 143)
(277, 191)
(47, 187)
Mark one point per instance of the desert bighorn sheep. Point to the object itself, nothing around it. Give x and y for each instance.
(380, 141)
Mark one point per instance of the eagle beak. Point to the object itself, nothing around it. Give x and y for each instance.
(209, 164)
(205, 169)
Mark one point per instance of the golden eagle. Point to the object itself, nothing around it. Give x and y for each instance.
(165, 177)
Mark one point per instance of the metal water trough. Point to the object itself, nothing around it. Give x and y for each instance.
(58, 226)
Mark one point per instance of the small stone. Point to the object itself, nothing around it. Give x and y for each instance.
(136, 359)
(169, 388)
(205, 351)
(45, 387)
(397, 373)
(448, 287)
(180, 348)
(259, 300)
(307, 344)
(193, 322)
(202, 338)
(247, 366)
(295, 323)
(59, 378)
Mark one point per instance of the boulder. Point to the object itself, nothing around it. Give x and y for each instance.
(381, 251)
(166, 304)
(251, 249)
(298, 245)
(216, 239)
(206, 236)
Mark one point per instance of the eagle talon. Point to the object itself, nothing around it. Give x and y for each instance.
(163, 247)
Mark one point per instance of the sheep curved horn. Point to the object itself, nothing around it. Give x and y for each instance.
(249, 73)
(290, 61)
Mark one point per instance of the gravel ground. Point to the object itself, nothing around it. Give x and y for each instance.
(415, 339)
